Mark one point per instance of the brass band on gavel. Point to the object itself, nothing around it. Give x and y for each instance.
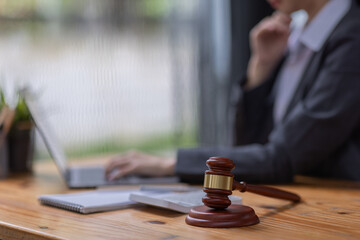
(218, 182)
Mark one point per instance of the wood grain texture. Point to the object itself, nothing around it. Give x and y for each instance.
(330, 210)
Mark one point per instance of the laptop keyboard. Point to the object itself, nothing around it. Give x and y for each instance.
(95, 176)
(91, 176)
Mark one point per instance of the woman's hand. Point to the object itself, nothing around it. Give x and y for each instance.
(141, 164)
(268, 41)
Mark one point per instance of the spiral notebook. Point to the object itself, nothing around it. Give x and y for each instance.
(91, 201)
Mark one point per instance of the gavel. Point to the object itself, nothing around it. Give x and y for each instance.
(218, 185)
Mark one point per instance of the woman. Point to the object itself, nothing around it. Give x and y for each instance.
(299, 111)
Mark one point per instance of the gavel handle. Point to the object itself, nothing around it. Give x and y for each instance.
(266, 191)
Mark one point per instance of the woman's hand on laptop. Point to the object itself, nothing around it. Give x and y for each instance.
(134, 162)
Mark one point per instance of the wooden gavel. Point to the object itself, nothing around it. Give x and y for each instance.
(219, 183)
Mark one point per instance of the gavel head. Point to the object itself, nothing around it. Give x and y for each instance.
(218, 182)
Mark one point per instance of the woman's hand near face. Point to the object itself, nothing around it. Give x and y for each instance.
(268, 41)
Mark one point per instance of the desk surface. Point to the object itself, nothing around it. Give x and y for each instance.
(330, 211)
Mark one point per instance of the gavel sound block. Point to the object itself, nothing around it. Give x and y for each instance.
(218, 185)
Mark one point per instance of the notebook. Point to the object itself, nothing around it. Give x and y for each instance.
(177, 201)
(91, 201)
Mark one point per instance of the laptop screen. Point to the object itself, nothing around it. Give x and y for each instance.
(47, 133)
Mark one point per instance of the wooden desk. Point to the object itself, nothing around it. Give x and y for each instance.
(330, 211)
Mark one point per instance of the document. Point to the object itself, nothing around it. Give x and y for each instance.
(176, 201)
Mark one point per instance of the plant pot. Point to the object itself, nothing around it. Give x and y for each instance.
(4, 168)
(21, 147)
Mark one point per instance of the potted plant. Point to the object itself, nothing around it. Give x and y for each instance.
(3, 135)
(20, 139)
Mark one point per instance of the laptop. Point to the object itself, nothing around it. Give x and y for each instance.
(84, 176)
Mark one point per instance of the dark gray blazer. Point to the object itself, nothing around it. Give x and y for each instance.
(320, 133)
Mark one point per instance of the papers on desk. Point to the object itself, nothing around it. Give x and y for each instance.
(178, 198)
(177, 201)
